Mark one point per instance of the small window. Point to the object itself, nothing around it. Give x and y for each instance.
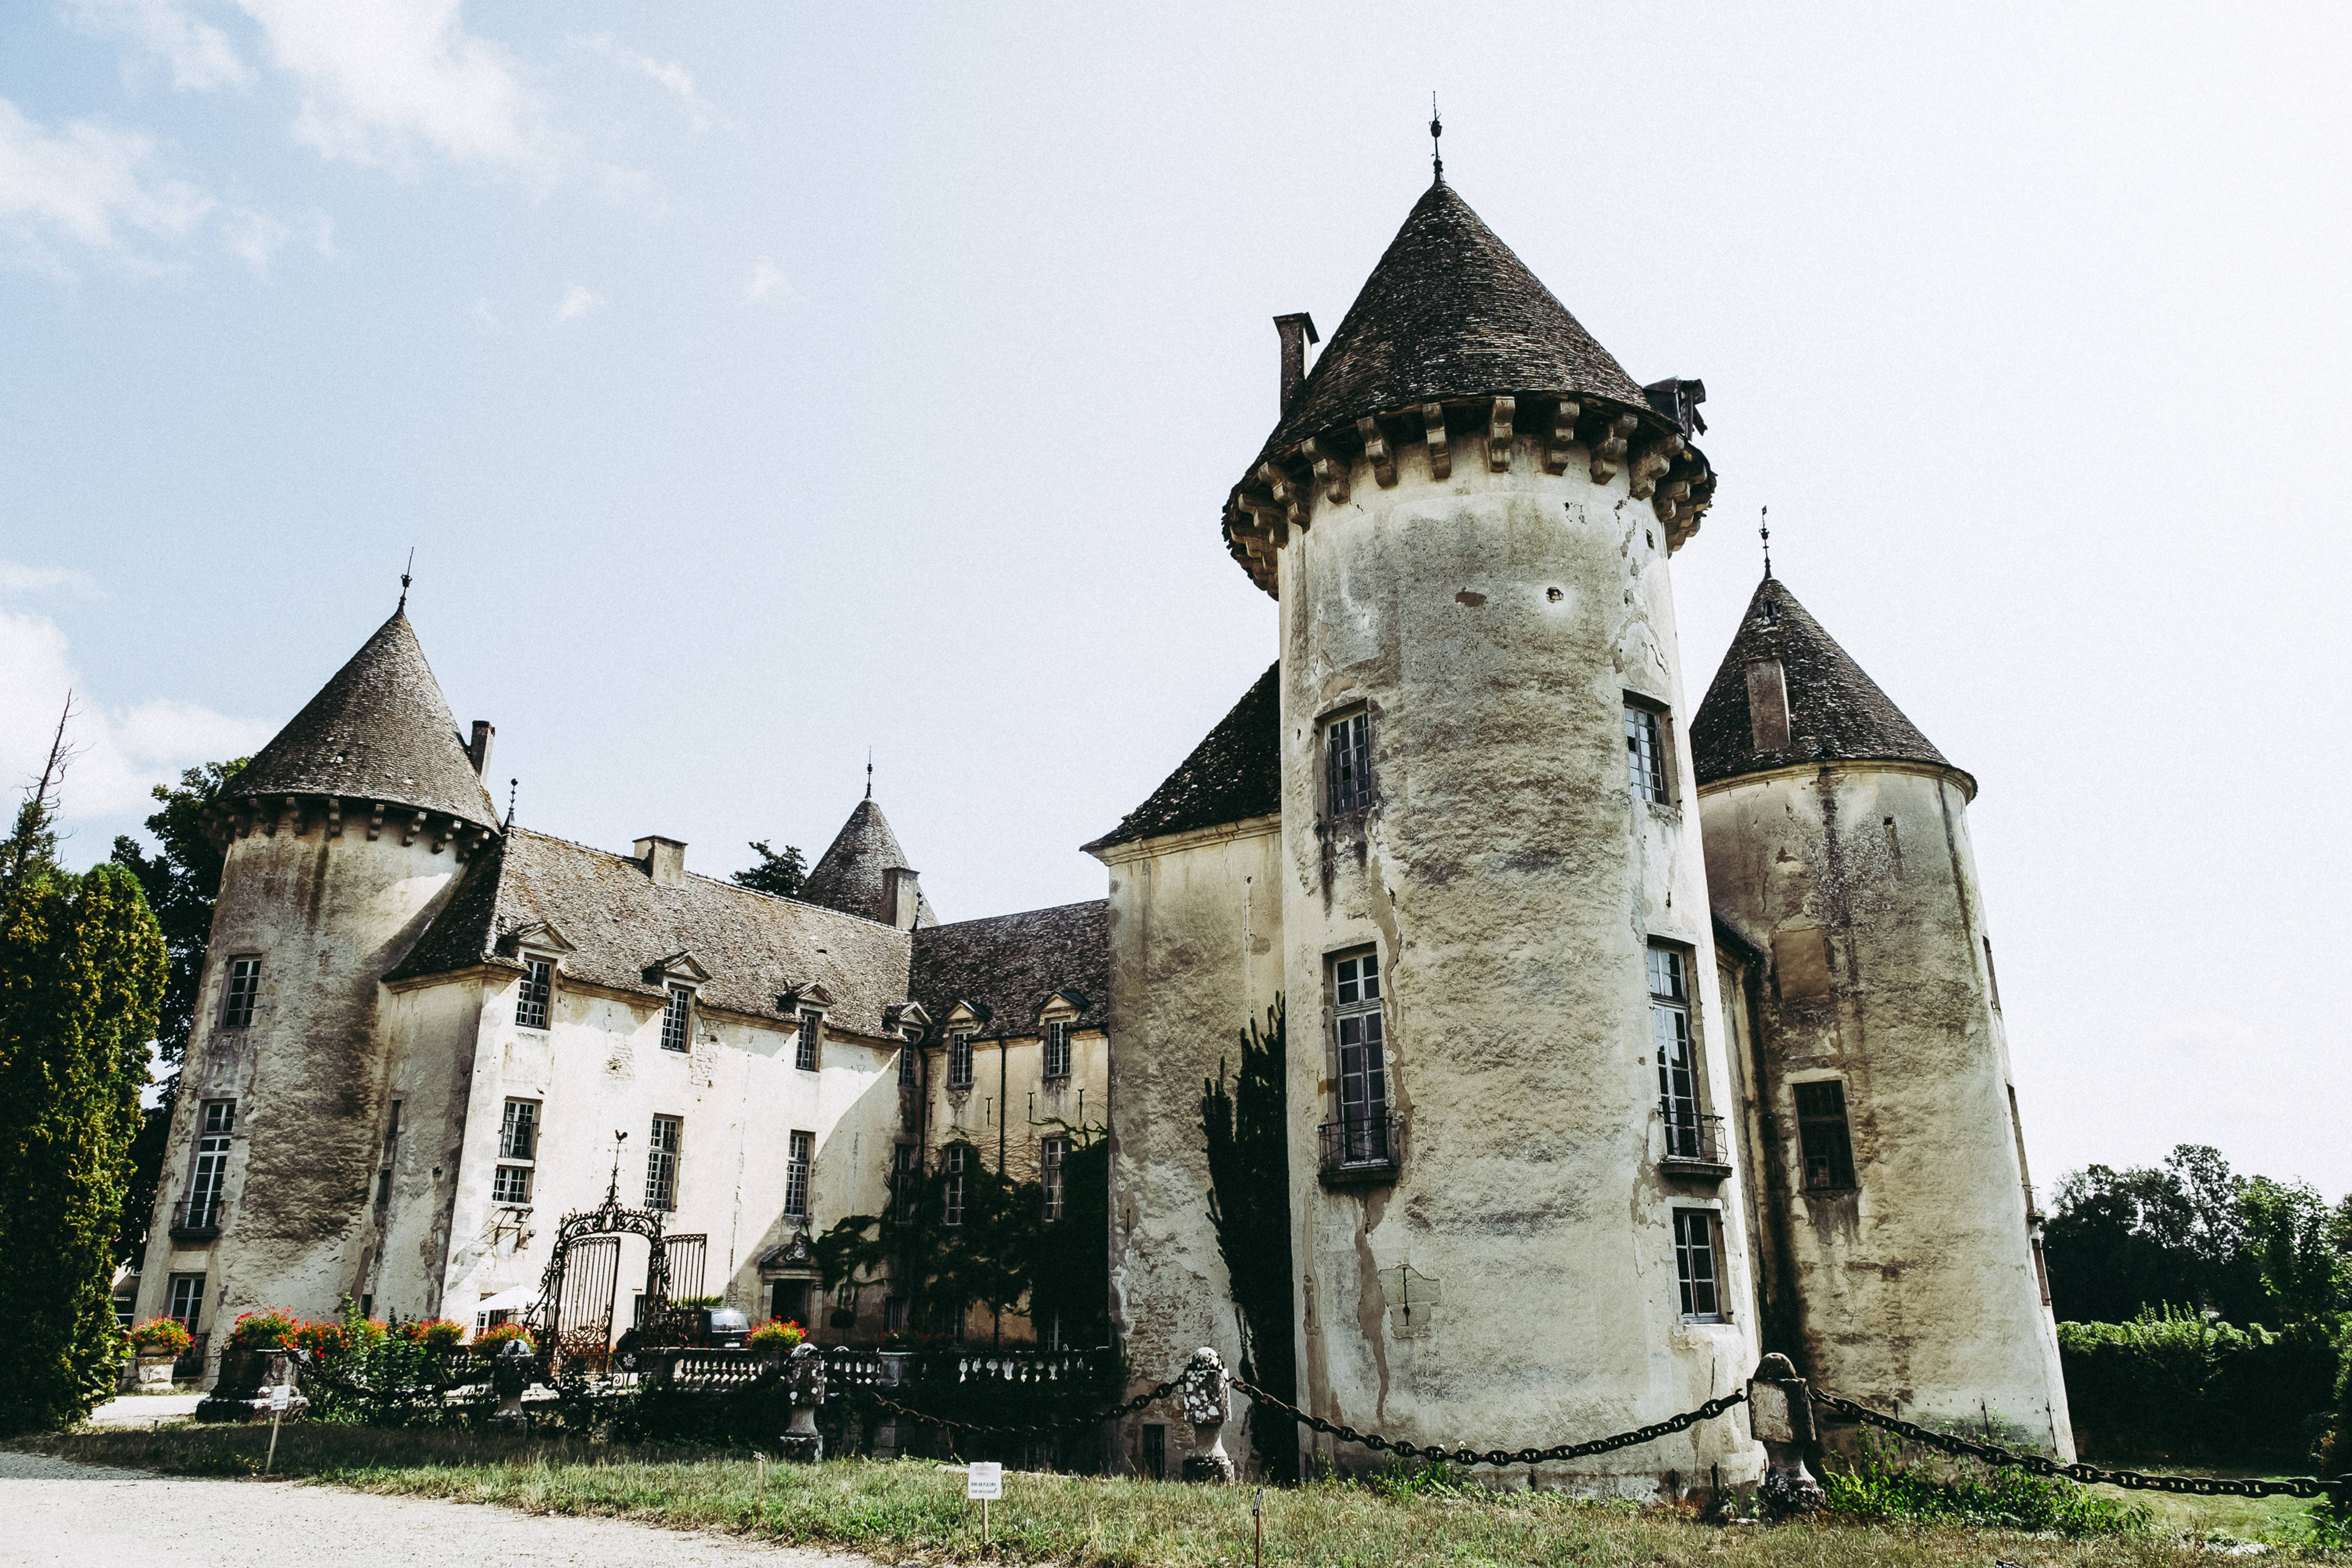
(510, 1185)
(1057, 1048)
(910, 1066)
(391, 1149)
(661, 1164)
(1049, 1174)
(796, 1174)
(959, 1061)
(519, 1132)
(208, 1176)
(186, 1302)
(788, 1300)
(1155, 1452)
(531, 998)
(894, 1314)
(677, 1015)
(1670, 1033)
(805, 1044)
(243, 991)
(1823, 1135)
(1348, 755)
(906, 1180)
(1695, 1266)
(1363, 1065)
(952, 1190)
(1645, 755)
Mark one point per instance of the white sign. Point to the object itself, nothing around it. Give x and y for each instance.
(282, 1396)
(983, 1482)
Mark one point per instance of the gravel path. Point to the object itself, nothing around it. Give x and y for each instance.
(53, 1512)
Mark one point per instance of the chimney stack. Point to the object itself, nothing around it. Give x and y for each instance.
(665, 860)
(479, 751)
(1297, 330)
(903, 896)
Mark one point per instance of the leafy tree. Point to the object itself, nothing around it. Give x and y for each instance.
(2301, 1247)
(1248, 1134)
(180, 881)
(779, 874)
(81, 973)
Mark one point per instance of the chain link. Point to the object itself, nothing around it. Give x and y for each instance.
(1434, 1451)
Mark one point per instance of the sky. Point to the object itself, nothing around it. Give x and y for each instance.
(757, 383)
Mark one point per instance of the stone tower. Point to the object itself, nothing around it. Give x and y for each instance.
(345, 837)
(1514, 1218)
(1896, 1201)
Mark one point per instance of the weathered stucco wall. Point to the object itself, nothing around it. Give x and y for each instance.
(1915, 1290)
(1196, 953)
(326, 916)
(1492, 625)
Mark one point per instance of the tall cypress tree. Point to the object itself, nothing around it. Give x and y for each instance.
(81, 974)
(1248, 1133)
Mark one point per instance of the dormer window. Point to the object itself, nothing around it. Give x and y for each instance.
(1058, 1048)
(538, 989)
(805, 1043)
(678, 1017)
(1348, 763)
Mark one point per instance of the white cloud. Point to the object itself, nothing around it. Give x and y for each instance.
(87, 189)
(577, 302)
(668, 73)
(383, 79)
(767, 280)
(17, 578)
(200, 55)
(123, 750)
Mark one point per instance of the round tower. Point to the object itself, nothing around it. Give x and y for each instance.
(346, 834)
(1896, 1205)
(1515, 1217)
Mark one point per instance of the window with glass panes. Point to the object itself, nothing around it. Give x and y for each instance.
(1363, 1067)
(531, 999)
(1057, 1048)
(951, 1159)
(805, 1044)
(1050, 1152)
(510, 1184)
(796, 1173)
(1823, 1136)
(187, 1303)
(677, 1015)
(959, 1061)
(661, 1163)
(518, 1132)
(1645, 755)
(209, 1174)
(1695, 1266)
(1670, 1032)
(1348, 763)
(910, 1066)
(241, 992)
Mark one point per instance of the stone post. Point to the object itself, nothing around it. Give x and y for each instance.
(894, 1378)
(1780, 1414)
(1206, 1394)
(805, 1383)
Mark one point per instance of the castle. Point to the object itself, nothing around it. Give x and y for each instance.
(1625, 1040)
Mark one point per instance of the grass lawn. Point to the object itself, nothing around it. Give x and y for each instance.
(913, 1510)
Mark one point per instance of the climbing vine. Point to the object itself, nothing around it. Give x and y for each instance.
(1248, 1133)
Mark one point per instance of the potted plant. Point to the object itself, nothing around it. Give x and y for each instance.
(776, 1339)
(255, 1339)
(157, 1345)
(494, 1338)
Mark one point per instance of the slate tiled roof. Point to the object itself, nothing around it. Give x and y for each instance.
(1009, 965)
(1449, 312)
(619, 923)
(379, 730)
(1837, 713)
(1235, 774)
(849, 875)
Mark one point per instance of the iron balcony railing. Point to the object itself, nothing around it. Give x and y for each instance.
(1361, 1149)
(198, 1219)
(1696, 1144)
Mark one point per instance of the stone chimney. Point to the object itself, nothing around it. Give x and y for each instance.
(665, 860)
(1297, 330)
(903, 896)
(478, 750)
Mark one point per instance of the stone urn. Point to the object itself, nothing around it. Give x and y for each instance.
(1205, 1391)
(242, 1393)
(512, 1370)
(805, 1386)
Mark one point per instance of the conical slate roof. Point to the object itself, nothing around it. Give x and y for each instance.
(849, 877)
(1836, 713)
(379, 730)
(1449, 312)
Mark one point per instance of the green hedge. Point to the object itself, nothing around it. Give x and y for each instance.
(2177, 1387)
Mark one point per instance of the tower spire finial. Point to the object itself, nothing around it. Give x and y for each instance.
(1436, 130)
(869, 773)
(404, 581)
(1764, 530)
(512, 785)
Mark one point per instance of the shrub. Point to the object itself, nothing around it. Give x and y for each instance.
(490, 1338)
(776, 1334)
(432, 1334)
(1878, 1488)
(2174, 1383)
(270, 1329)
(161, 1336)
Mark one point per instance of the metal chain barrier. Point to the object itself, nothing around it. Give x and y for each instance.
(1127, 1408)
(2091, 1474)
(1465, 1457)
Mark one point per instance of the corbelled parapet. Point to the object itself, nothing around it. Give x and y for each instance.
(1455, 353)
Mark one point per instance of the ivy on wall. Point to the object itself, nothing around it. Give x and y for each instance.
(1248, 1133)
